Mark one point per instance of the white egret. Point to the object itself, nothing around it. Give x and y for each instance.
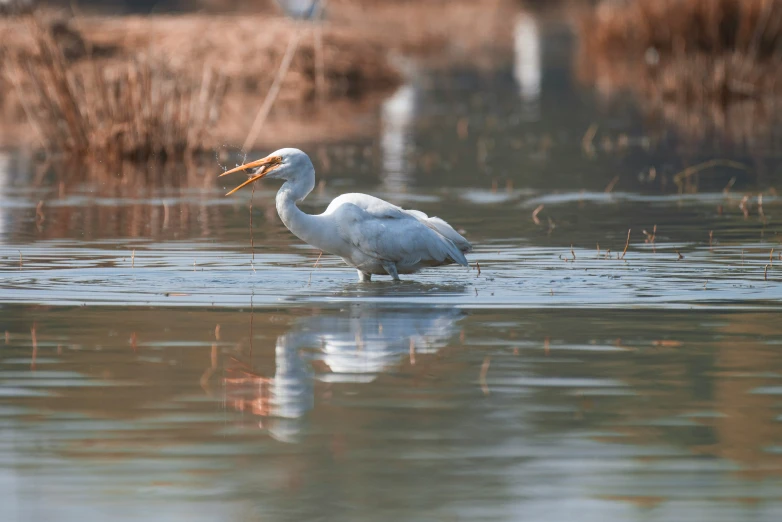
(368, 233)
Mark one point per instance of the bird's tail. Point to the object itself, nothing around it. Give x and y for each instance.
(453, 251)
(459, 245)
(456, 255)
(455, 245)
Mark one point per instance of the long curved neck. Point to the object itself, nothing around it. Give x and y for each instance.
(293, 191)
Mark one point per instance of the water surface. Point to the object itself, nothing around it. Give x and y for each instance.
(153, 365)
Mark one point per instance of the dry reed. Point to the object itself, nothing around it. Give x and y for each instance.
(627, 243)
(128, 87)
(650, 238)
(535, 213)
(611, 184)
(705, 66)
(484, 373)
(135, 108)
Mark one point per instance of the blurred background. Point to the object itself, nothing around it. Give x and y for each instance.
(163, 82)
(167, 352)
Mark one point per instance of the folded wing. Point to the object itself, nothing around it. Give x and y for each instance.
(389, 233)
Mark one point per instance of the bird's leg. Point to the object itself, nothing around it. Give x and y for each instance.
(391, 269)
(364, 277)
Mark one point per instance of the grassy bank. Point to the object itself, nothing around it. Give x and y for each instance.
(171, 86)
(703, 66)
(141, 87)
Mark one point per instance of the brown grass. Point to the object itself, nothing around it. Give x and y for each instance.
(134, 107)
(749, 27)
(248, 50)
(704, 65)
(167, 87)
(170, 86)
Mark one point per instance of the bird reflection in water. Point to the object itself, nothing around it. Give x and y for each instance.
(354, 346)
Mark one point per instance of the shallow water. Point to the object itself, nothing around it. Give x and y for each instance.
(152, 366)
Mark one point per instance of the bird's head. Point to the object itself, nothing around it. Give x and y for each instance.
(280, 164)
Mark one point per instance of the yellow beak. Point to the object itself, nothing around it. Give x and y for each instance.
(264, 166)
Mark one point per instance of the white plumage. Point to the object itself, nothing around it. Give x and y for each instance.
(368, 233)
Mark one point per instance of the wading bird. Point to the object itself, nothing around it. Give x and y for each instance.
(368, 233)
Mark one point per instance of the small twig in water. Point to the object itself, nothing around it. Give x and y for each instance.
(730, 184)
(678, 254)
(40, 217)
(627, 243)
(765, 273)
(651, 237)
(535, 214)
(484, 372)
(587, 142)
(478, 266)
(572, 252)
(743, 206)
(317, 260)
(611, 185)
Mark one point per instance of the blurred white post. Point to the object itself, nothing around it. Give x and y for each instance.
(527, 64)
(5, 182)
(397, 117)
